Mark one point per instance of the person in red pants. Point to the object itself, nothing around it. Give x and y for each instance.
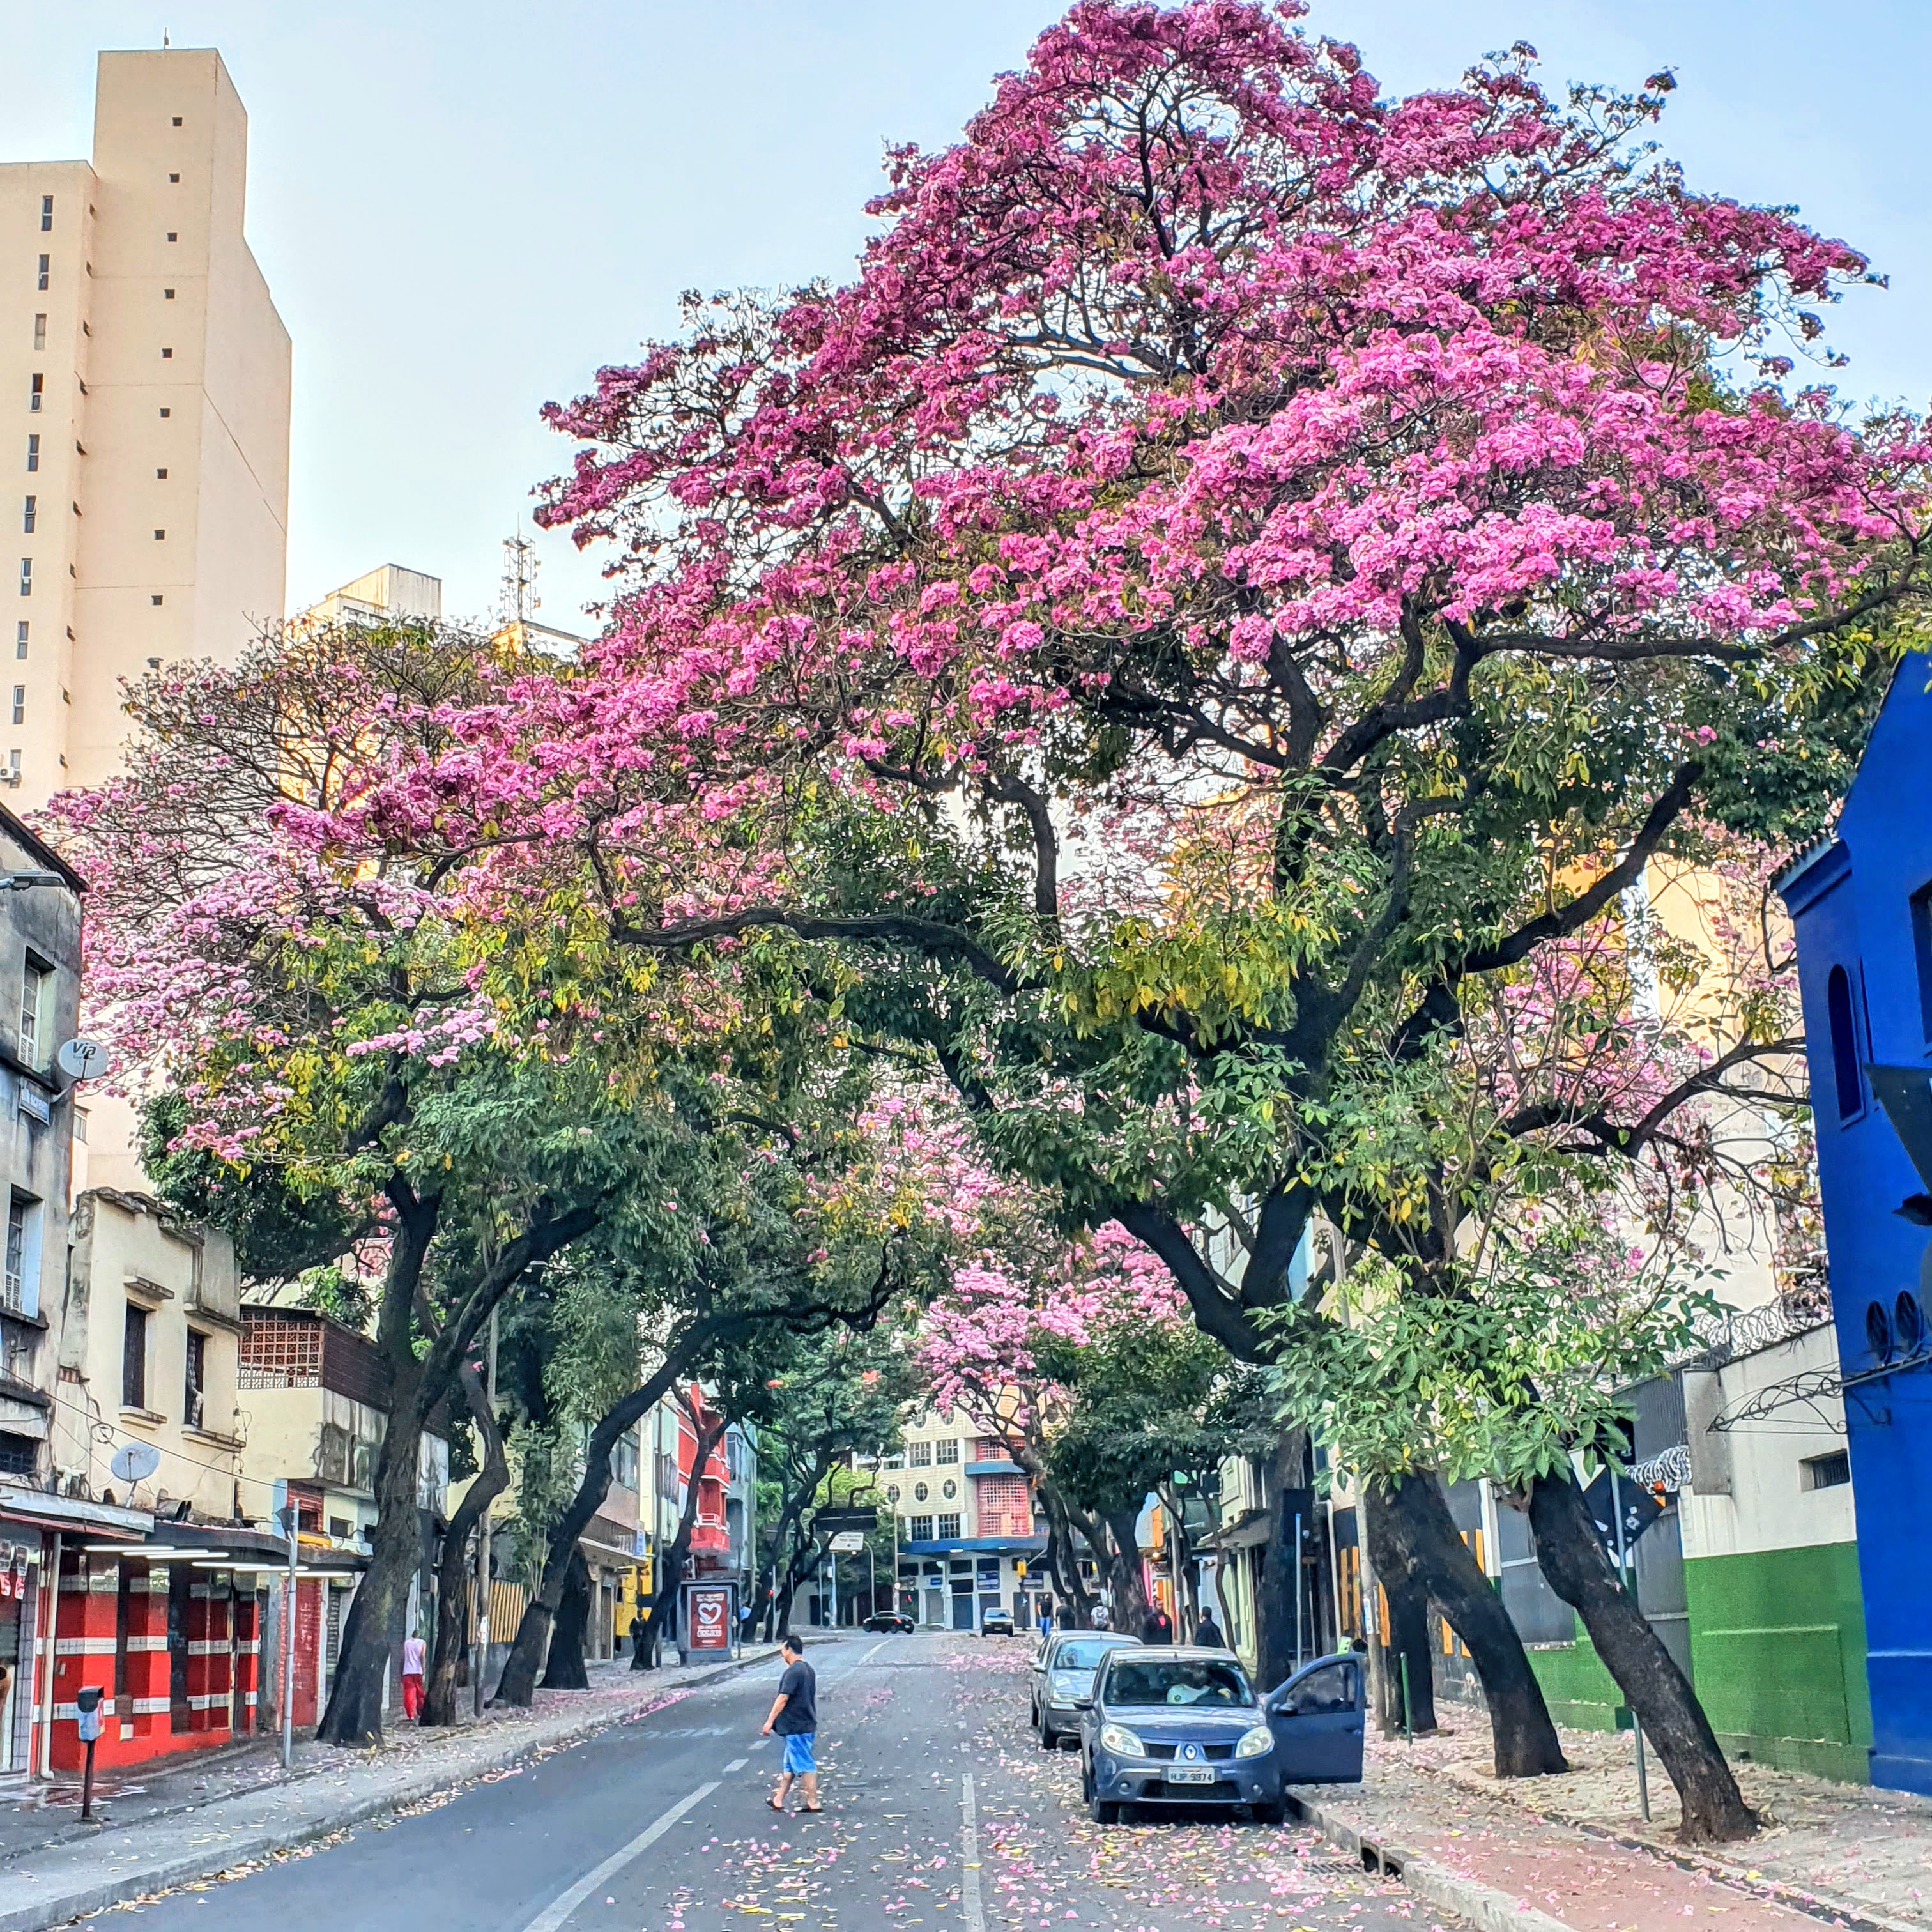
(413, 1678)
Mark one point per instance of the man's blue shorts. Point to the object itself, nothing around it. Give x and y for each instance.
(798, 1757)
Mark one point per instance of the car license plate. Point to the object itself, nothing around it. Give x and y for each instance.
(1190, 1774)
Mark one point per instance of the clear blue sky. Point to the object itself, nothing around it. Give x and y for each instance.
(463, 206)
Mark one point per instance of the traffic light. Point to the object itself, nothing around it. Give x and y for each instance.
(1019, 1566)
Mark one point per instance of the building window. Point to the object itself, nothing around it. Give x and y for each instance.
(20, 704)
(161, 475)
(177, 121)
(891, 1492)
(20, 634)
(947, 1451)
(45, 260)
(134, 1358)
(156, 598)
(33, 453)
(41, 330)
(36, 389)
(80, 1125)
(1827, 1472)
(174, 177)
(27, 515)
(194, 1392)
(14, 1286)
(1843, 1021)
(19, 1455)
(26, 576)
(173, 236)
(167, 355)
(948, 1488)
(921, 1455)
(36, 977)
(921, 1528)
(167, 294)
(167, 412)
(161, 536)
(46, 213)
(949, 1529)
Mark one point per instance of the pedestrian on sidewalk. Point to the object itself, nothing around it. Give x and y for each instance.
(1156, 1627)
(794, 1717)
(413, 1678)
(1208, 1633)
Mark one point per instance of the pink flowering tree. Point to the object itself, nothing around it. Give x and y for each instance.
(1246, 565)
(353, 1052)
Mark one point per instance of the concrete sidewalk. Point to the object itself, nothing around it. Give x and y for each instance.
(1574, 1851)
(185, 1821)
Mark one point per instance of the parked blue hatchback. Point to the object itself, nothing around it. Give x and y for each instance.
(1184, 1727)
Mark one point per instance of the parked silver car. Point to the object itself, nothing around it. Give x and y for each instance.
(1063, 1679)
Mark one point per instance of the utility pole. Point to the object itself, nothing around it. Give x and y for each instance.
(1378, 1698)
(291, 1521)
(482, 1657)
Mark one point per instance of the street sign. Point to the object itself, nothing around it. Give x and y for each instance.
(847, 1540)
(837, 1520)
(1640, 1510)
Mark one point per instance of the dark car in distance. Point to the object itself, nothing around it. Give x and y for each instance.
(1183, 1726)
(894, 1621)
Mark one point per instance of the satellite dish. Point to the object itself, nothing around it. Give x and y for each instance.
(135, 1461)
(81, 1058)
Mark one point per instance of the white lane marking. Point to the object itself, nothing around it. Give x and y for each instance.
(737, 1764)
(969, 1840)
(554, 1915)
(873, 1652)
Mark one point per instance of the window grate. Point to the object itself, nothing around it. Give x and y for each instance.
(278, 1353)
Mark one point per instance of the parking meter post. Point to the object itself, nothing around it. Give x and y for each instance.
(87, 1719)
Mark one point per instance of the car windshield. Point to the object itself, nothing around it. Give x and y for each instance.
(1219, 1686)
(1084, 1653)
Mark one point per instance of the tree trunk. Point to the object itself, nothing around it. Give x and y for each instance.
(455, 1571)
(1068, 1583)
(517, 1685)
(1275, 1617)
(1410, 1519)
(563, 1668)
(671, 1571)
(1124, 1570)
(1411, 1661)
(374, 1626)
(1572, 1557)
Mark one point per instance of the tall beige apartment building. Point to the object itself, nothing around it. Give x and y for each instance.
(144, 416)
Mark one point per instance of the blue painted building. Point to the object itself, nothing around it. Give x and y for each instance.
(1861, 904)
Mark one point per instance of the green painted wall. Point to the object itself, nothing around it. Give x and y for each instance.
(1778, 1652)
(1579, 1691)
(1778, 1644)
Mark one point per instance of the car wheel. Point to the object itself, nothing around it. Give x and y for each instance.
(1047, 1741)
(1274, 1812)
(1103, 1810)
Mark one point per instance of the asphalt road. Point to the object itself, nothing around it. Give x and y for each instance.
(941, 1811)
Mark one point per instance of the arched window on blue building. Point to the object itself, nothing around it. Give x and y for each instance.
(1844, 1043)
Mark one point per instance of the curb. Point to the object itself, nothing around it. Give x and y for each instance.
(1847, 1914)
(61, 1908)
(1484, 1905)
